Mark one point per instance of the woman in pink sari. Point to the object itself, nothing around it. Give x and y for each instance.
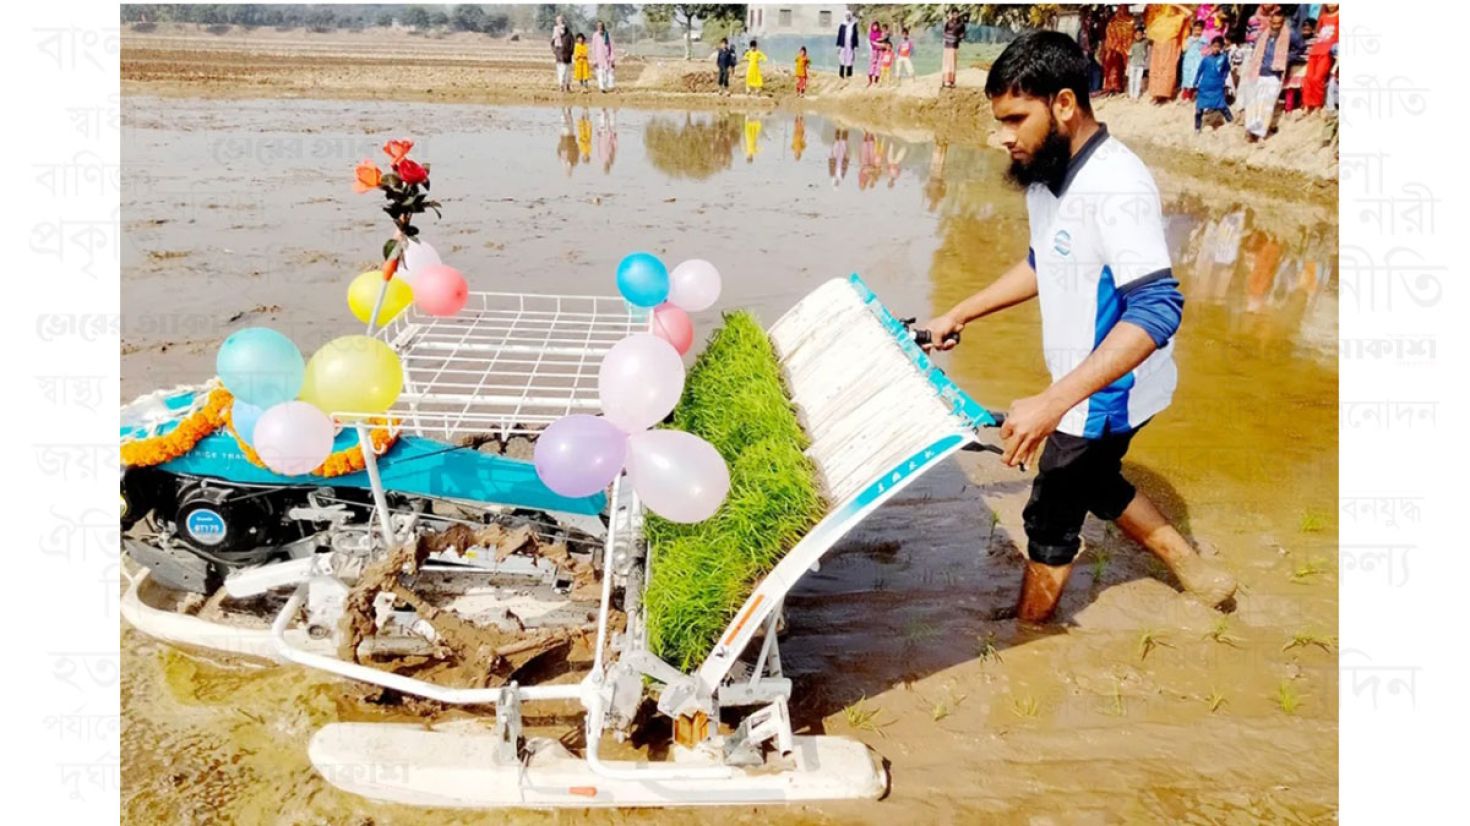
(875, 34)
(602, 57)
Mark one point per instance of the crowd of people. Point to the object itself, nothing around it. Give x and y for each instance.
(578, 61)
(1219, 59)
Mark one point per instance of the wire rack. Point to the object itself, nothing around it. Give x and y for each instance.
(507, 364)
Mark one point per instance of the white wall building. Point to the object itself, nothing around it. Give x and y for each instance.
(793, 18)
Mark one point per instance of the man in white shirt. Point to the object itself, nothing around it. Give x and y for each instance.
(1110, 307)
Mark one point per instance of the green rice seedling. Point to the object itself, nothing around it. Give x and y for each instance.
(918, 631)
(938, 710)
(1215, 700)
(860, 717)
(1117, 707)
(1025, 707)
(1101, 559)
(987, 650)
(1304, 571)
(1312, 522)
(701, 574)
(1148, 641)
(1304, 639)
(1286, 697)
(1221, 633)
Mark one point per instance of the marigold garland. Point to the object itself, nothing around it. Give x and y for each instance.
(155, 450)
(215, 413)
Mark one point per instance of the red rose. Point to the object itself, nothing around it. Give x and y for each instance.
(411, 173)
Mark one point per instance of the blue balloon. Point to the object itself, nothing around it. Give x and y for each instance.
(643, 280)
(244, 415)
(260, 366)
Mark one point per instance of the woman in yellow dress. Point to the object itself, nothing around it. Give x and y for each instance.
(753, 57)
(581, 64)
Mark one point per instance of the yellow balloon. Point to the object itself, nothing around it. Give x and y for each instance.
(362, 295)
(353, 374)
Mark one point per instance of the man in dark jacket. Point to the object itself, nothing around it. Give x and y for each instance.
(847, 41)
(561, 49)
(954, 34)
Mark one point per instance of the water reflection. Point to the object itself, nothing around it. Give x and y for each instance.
(752, 137)
(607, 138)
(689, 146)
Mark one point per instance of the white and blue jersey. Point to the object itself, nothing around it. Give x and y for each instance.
(1098, 248)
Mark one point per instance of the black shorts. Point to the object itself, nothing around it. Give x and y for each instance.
(1075, 476)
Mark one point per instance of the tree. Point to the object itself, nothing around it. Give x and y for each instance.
(914, 15)
(545, 17)
(385, 19)
(439, 20)
(496, 24)
(684, 15)
(468, 18)
(416, 16)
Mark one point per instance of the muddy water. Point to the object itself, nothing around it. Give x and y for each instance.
(1137, 707)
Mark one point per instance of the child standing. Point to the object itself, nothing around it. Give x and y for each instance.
(885, 66)
(1210, 82)
(1137, 63)
(753, 59)
(803, 64)
(725, 58)
(1296, 66)
(1194, 50)
(905, 57)
(581, 63)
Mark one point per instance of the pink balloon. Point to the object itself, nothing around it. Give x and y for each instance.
(639, 382)
(293, 438)
(678, 475)
(579, 455)
(673, 325)
(439, 290)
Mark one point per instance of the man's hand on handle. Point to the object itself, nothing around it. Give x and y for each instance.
(943, 332)
(1028, 423)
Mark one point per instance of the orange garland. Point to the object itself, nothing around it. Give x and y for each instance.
(156, 450)
(216, 414)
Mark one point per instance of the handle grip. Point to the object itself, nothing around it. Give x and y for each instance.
(924, 338)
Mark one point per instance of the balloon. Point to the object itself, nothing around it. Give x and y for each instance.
(580, 455)
(639, 382)
(244, 416)
(673, 325)
(643, 280)
(694, 285)
(260, 366)
(440, 290)
(354, 374)
(417, 256)
(293, 438)
(678, 475)
(362, 296)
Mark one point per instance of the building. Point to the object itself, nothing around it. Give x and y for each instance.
(768, 20)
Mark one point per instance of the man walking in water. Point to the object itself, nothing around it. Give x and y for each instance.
(1110, 307)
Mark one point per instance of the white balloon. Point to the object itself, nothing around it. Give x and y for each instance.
(416, 256)
(678, 475)
(694, 285)
(639, 382)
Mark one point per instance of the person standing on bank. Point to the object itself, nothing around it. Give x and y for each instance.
(562, 46)
(847, 42)
(954, 35)
(602, 57)
(1110, 308)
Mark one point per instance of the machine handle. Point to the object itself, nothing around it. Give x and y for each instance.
(924, 338)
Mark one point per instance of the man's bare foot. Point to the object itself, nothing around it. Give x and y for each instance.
(1205, 580)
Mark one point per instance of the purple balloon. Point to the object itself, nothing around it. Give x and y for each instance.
(580, 455)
